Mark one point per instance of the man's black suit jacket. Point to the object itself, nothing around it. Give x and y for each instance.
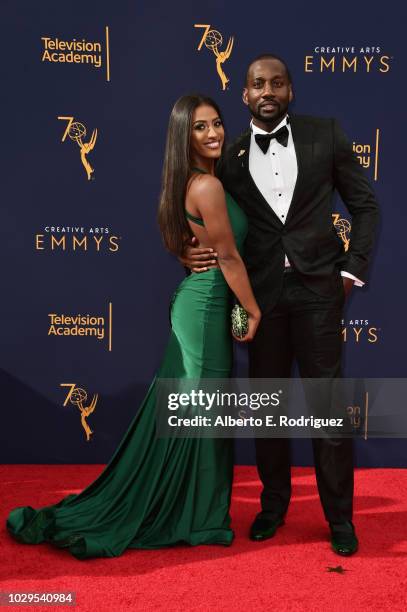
(325, 162)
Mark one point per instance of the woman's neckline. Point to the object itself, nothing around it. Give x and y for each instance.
(199, 170)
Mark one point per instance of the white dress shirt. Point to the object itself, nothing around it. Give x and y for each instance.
(275, 174)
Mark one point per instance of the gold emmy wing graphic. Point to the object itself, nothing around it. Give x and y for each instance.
(212, 39)
(76, 132)
(343, 228)
(78, 396)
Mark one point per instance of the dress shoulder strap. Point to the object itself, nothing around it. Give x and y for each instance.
(192, 218)
(197, 220)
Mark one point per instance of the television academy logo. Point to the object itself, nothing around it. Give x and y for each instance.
(77, 132)
(213, 39)
(79, 325)
(359, 416)
(77, 396)
(74, 51)
(347, 59)
(368, 154)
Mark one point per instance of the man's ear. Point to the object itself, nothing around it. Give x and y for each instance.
(291, 93)
(244, 96)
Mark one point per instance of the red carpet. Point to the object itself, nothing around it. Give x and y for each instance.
(288, 572)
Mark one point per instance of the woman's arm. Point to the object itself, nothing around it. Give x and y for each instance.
(207, 196)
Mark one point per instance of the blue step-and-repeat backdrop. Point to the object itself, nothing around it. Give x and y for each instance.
(87, 92)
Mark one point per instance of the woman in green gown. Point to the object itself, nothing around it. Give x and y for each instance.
(156, 492)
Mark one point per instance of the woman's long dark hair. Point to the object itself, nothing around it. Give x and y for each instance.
(177, 170)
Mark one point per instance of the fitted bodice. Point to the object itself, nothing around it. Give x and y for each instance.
(237, 217)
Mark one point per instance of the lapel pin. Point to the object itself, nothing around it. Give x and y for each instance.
(241, 152)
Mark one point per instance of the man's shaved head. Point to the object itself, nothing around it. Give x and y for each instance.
(271, 56)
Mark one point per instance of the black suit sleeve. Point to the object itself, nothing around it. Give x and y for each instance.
(359, 198)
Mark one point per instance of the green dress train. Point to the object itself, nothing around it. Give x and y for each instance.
(156, 492)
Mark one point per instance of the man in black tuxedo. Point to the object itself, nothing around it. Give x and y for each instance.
(283, 172)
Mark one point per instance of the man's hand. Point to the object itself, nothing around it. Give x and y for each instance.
(347, 285)
(198, 259)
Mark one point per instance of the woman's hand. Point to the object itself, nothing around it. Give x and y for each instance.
(198, 259)
(253, 323)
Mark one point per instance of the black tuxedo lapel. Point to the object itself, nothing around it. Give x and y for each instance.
(302, 133)
(247, 184)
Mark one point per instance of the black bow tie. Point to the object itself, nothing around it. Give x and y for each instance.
(263, 140)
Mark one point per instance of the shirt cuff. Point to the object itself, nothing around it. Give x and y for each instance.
(356, 281)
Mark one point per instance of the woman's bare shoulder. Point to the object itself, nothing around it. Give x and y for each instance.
(205, 186)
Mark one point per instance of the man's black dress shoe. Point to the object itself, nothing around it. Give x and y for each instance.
(343, 538)
(265, 528)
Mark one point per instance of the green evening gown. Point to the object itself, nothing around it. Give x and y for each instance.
(156, 492)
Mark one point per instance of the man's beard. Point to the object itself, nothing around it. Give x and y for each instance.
(269, 120)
